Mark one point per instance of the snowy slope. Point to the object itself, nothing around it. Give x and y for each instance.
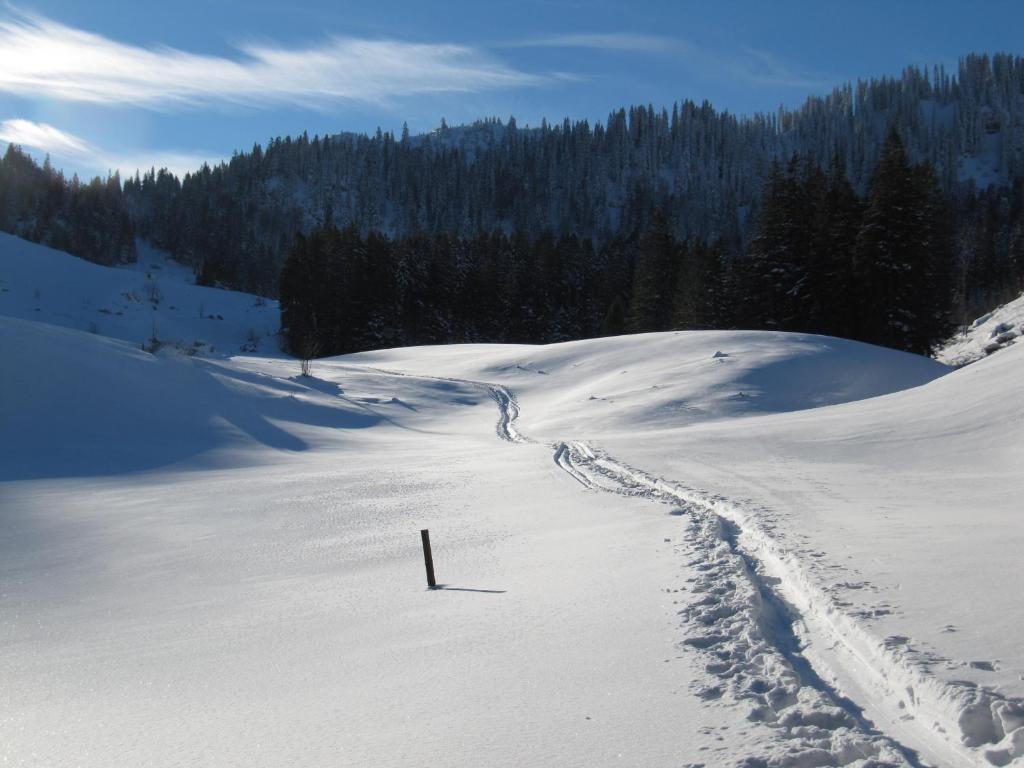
(891, 525)
(132, 302)
(670, 379)
(224, 549)
(989, 333)
(894, 524)
(79, 405)
(257, 598)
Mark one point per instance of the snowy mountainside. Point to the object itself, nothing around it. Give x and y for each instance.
(984, 169)
(991, 332)
(155, 296)
(594, 179)
(470, 139)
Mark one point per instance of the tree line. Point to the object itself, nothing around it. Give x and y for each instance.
(821, 260)
(89, 220)
(703, 168)
(589, 204)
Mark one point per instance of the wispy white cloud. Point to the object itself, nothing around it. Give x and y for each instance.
(81, 153)
(43, 137)
(43, 58)
(604, 41)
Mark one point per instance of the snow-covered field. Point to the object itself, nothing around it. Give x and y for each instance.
(890, 525)
(712, 548)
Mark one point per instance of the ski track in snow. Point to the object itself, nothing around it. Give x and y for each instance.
(508, 406)
(508, 409)
(747, 629)
(745, 633)
(750, 606)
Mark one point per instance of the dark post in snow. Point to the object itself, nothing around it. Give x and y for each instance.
(428, 558)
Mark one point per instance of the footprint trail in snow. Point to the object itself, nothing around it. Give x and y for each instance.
(745, 631)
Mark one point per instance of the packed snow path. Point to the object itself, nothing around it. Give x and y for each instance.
(750, 633)
(508, 406)
(508, 410)
(743, 630)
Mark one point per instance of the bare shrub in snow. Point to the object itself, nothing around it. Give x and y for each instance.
(252, 341)
(306, 350)
(153, 343)
(153, 293)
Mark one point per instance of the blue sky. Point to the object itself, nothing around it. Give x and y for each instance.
(106, 84)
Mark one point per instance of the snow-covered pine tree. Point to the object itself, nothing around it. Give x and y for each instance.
(902, 254)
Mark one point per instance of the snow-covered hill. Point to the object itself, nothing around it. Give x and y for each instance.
(989, 333)
(894, 525)
(660, 380)
(879, 522)
(74, 404)
(706, 548)
(153, 297)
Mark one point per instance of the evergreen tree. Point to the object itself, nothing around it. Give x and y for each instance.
(779, 252)
(301, 278)
(713, 300)
(834, 310)
(654, 280)
(902, 255)
(614, 323)
(91, 220)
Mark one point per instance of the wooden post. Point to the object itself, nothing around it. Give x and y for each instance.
(428, 558)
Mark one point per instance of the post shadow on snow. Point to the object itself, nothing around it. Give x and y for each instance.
(447, 588)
